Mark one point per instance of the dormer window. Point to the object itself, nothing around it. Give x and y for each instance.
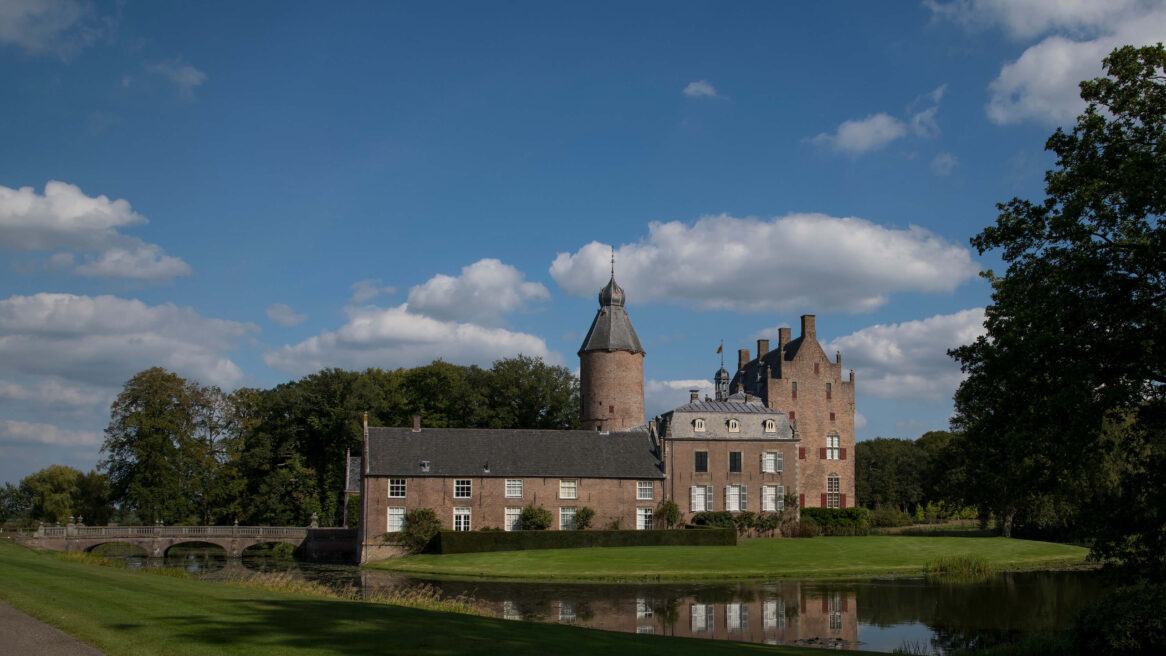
(734, 426)
(698, 425)
(770, 426)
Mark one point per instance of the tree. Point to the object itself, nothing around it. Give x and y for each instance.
(583, 517)
(1063, 409)
(668, 512)
(535, 518)
(419, 528)
(57, 492)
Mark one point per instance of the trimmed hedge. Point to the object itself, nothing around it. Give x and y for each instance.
(450, 542)
(839, 521)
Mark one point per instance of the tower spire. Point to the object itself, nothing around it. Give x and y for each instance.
(613, 262)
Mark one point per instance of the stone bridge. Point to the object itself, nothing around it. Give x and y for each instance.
(337, 543)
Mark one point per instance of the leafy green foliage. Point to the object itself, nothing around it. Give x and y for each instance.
(902, 473)
(1126, 621)
(420, 527)
(535, 518)
(744, 520)
(668, 512)
(1063, 411)
(56, 493)
(839, 521)
(718, 518)
(583, 517)
(451, 542)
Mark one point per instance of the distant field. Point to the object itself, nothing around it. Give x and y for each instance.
(754, 559)
(131, 613)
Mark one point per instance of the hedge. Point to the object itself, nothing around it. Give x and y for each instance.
(839, 521)
(450, 542)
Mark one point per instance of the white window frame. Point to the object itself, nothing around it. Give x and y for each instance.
(734, 426)
(644, 519)
(514, 488)
(512, 518)
(736, 616)
(569, 488)
(461, 519)
(770, 426)
(566, 611)
(768, 498)
(780, 464)
(780, 498)
(645, 490)
(769, 462)
(700, 498)
(833, 491)
(736, 497)
(703, 617)
(643, 608)
(698, 425)
(833, 444)
(645, 629)
(567, 518)
(463, 488)
(773, 614)
(397, 482)
(400, 512)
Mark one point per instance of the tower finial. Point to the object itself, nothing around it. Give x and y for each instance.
(613, 262)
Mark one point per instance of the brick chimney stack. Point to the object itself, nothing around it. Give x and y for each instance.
(808, 331)
(762, 348)
(742, 358)
(416, 423)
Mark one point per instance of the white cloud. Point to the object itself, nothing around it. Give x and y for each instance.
(859, 420)
(483, 292)
(660, 396)
(1042, 83)
(23, 432)
(397, 337)
(284, 315)
(859, 136)
(753, 265)
(52, 391)
(368, 289)
(185, 76)
(104, 340)
(909, 360)
(944, 163)
(63, 217)
(699, 89)
(61, 27)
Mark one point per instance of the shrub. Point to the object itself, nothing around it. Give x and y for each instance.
(583, 517)
(806, 528)
(1125, 621)
(668, 512)
(536, 518)
(718, 518)
(967, 566)
(448, 542)
(767, 522)
(888, 516)
(744, 520)
(839, 521)
(420, 527)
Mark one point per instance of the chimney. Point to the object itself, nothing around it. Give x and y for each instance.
(783, 338)
(808, 331)
(693, 396)
(364, 446)
(742, 358)
(416, 423)
(762, 348)
(748, 397)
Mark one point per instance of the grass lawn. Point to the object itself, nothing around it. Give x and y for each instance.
(127, 612)
(754, 559)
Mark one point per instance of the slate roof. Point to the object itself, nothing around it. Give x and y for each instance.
(352, 482)
(612, 329)
(512, 453)
(731, 407)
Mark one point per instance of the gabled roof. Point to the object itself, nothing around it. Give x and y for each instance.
(516, 453)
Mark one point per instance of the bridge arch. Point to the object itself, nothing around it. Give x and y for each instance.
(130, 547)
(224, 545)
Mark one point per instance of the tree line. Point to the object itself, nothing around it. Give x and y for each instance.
(180, 452)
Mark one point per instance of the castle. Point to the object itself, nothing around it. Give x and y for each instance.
(782, 425)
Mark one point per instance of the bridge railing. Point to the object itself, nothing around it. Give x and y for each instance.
(171, 531)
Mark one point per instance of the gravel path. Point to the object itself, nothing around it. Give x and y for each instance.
(22, 634)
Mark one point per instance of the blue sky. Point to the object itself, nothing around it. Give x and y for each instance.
(246, 192)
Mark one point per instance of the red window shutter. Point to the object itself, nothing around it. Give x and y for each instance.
(829, 395)
(815, 367)
(802, 504)
(825, 604)
(611, 409)
(795, 395)
(841, 500)
(842, 454)
(822, 453)
(792, 416)
(823, 499)
(801, 453)
(831, 416)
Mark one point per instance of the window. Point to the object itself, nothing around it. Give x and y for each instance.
(735, 461)
(698, 425)
(769, 462)
(461, 519)
(816, 370)
(832, 446)
(735, 497)
(772, 498)
(770, 426)
(645, 629)
(396, 519)
(734, 426)
(461, 488)
(644, 490)
(831, 416)
(701, 498)
(396, 488)
(794, 389)
(566, 611)
(827, 391)
(567, 518)
(792, 416)
(835, 607)
(736, 616)
(611, 409)
(513, 519)
(643, 519)
(701, 463)
(643, 608)
(832, 491)
(514, 488)
(702, 617)
(780, 465)
(773, 614)
(510, 610)
(569, 489)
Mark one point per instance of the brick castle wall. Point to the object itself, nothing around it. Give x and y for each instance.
(611, 385)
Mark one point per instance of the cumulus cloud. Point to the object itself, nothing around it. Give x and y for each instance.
(755, 265)
(284, 315)
(1042, 83)
(700, 89)
(368, 289)
(859, 136)
(63, 217)
(55, 392)
(483, 292)
(909, 360)
(60, 27)
(660, 396)
(184, 76)
(104, 340)
(944, 163)
(24, 432)
(398, 337)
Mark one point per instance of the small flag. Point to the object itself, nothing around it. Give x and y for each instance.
(721, 349)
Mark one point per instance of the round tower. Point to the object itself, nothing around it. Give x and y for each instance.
(611, 367)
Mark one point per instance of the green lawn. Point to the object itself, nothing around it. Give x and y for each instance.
(127, 612)
(754, 559)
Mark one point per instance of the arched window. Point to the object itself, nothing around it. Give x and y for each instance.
(698, 425)
(734, 426)
(770, 426)
(833, 492)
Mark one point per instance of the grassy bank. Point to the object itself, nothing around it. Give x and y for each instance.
(123, 612)
(765, 559)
